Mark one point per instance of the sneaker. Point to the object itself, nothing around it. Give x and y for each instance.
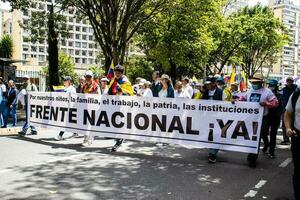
(87, 141)
(22, 133)
(59, 138)
(271, 155)
(265, 149)
(212, 159)
(33, 132)
(115, 148)
(285, 143)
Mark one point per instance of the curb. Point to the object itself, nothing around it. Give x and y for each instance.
(10, 131)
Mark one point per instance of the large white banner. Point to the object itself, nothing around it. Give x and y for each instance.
(199, 123)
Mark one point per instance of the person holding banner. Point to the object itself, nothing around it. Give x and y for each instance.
(167, 90)
(69, 88)
(156, 85)
(89, 87)
(119, 85)
(266, 98)
(292, 124)
(213, 92)
(187, 88)
(104, 87)
(145, 90)
(23, 97)
(179, 92)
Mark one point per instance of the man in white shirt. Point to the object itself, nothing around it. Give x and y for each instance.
(187, 88)
(179, 92)
(3, 100)
(292, 124)
(69, 88)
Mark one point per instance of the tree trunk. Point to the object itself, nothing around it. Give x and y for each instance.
(52, 51)
(172, 71)
(107, 63)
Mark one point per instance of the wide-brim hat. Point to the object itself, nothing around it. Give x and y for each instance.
(165, 76)
(257, 78)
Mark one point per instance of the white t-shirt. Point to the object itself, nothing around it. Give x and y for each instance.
(261, 95)
(70, 89)
(182, 94)
(21, 97)
(289, 107)
(146, 92)
(2, 89)
(163, 93)
(189, 90)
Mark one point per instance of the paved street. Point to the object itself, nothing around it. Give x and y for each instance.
(38, 167)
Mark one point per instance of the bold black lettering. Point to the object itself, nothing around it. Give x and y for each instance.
(46, 112)
(243, 133)
(114, 121)
(39, 110)
(54, 113)
(176, 125)
(129, 116)
(63, 113)
(161, 124)
(225, 127)
(189, 127)
(103, 119)
(146, 121)
(32, 110)
(88, 117)
(73, 115)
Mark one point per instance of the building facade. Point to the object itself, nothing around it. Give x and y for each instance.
(234, 5)
(289, 61)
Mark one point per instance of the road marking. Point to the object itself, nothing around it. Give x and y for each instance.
(73, 157)
(286, 162)
(260, 184)
(253, 193)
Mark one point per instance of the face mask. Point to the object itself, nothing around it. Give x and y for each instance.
(256, 86)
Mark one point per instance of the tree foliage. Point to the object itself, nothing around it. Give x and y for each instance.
(180, 38)
(65, 66)
(6, 46)
(116, 21)
(139, 67)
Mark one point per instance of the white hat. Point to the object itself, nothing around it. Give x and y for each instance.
(142, 81)
(89, 73)
(26, 76)
(104, 79)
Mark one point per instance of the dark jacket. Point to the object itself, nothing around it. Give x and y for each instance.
(155, 89)
(286, 93)
(218, 95)
(277, 112)
(11, 96)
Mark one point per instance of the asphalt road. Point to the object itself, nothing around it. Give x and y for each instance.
(38, 167)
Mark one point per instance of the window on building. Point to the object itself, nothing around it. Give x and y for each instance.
(77, 36)
(84, 60)
(84, 45)
(77, 44)
(41, 49)
(77, 28)
(84, 37)
(84, 29)
(83, 53)
(91, 54)
(77, 53)
(71, 44)
(91, 37)
(77, 60)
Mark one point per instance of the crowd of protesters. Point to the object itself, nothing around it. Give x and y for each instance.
(267, 93)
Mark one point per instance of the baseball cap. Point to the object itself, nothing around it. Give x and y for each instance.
(89, 73)
(67, 78)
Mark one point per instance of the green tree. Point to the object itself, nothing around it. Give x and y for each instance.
(115, 22)
(264, 45)
(139, 67)
(47, 25)
(97, 71)
(252, 37)
(180, 38)
(6, 46)
(65, 66)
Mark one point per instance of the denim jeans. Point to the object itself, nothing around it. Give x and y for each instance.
(10, 112)
(27, 125)
(3, 112)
